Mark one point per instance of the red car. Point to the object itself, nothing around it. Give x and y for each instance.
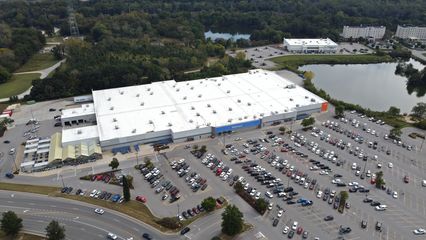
(299, 230)
(141, 199)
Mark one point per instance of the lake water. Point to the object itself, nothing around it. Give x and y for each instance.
(373, 86)
(226, 36)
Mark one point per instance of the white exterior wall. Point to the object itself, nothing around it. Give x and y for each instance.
(411, 32)
(364, 32)
(310, 46)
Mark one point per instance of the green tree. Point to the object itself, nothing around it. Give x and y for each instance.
(339, 110)
(11, 224)
(241, 55)
(238, 187)
(379, 179)
(308, 75)
(209, 204)
(394, 111)
(114, 163)
(59, 51)
(203, 149)
(308, 122)
(54, 231)
(232, 220)
(126, 189)
(4, 75)
(396, 132)
(343, 198)
(419, 110)
(261, 205)
(148, 162)
(282, 129)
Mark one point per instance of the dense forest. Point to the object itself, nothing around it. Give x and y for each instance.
(130, 42)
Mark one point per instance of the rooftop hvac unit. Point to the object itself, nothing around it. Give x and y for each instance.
(239, 101)
(116, 127)
(134, 130)
(230, 120)
(174, 85)
(177, 89)
(162, 112)
(79, 132)
(150, 122)
(254, 116)
(109, 99)
(187, 84)
(240, 118)
(192, 108)
(312, 100)
(142, 103)
(137, 95)
(229, 91)
(285, 110)
(229, 109)
(74, 111)
(248, 104)
(200, 95)
(214, 111)
(114, 119)
(184, 98)
(291, 99)
(169, 124)
(121, 92)
(151, 93)
(262, 114)
(306, 97)
(192, 88)
(111, 108)
(148, 89)
(297, 105)
(219, 84)
(208, 105)
(191, 121)
(245, 117)
(208, 124)
(197, 114)
(201, 82)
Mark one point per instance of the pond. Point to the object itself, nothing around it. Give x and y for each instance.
(213, 36)
(374, 86)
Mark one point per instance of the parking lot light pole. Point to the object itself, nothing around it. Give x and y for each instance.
(63, 184)
(178, 212)
(137, 158)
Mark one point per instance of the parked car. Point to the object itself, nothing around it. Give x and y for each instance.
(185, 230)
(141, 199)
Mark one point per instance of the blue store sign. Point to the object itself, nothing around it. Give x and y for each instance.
(236, 126)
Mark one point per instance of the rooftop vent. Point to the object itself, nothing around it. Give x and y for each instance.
(109, 99)
(192, 88)
(169, 124)
(134, 130)
(254, 116)
(116, 127)
(192, 108)
(297, 105)
(208, 105)
(245, 117)
(276, 112)
(285, 110)
(142, 103)
(151, 93)
(150, 122)
(79, 132)
(184, 98)
(137, 95)
(248, 104)
(240, 118)
(291, 99)
(229, 91)
(121, 92)
(201, 82)
(214, 111)
(191, 121)
(200, 95)
(111, 108)
(197, 114)
(208, 124)
(74, 111)
(219, 84)
(229, 109)
(148, 89)
(306, 97)
(312, 100)
(177, 89)
(230, 120)
(114, 119)
(174, 85)
(197, 126)
(238, 100)
(162, 112)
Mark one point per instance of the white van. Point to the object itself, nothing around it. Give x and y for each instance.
(353, 166)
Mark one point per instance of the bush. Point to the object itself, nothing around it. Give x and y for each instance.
(209, 204)
(169, 222)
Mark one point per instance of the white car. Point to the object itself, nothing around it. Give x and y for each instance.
(93, 193)
(390, 165)
(395, 194)
(319, 194)
(112, 236)
(419, 231)
(257, 196)
(294, 227)
(270, 205)
(269, 195)
(286, 229)
(99, 211)
(280, 213)
(353, 166)
(424, 183)
(381, 208)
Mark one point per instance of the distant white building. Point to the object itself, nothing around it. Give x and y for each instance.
(411, 32)
(375, 32)
(321, 45)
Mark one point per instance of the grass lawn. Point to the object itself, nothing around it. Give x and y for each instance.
(292, 62)
(38, 61)
(21, 236)
(17, 84)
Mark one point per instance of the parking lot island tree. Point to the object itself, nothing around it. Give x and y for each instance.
(126, 189)
(394, 111)
(282, 130)
(395, 132)
(11, 224)
(54, 231)
(339, 110)
(307, 122)
(114, 163)
(232, 220)
(379, 180)
(261, 205)
(209, 204)
(343, 198)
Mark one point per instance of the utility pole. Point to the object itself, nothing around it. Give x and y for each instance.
(63, 184)
(178, 212)
(421, 146)
(74, 32)
(365, 165)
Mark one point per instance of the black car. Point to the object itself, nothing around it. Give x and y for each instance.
(291, 234)
(146, 236)
(379, 226)
(344, 230)
(367, 200)
(290, 202)
(275, 222)
(375, 203)
(185, 230)
(328, 218)
(363, 224)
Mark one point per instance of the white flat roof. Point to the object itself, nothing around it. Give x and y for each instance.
(310, 42)
(76, 134)
(181, 106)
(83, 110)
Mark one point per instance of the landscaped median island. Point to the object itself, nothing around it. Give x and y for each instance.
(21, 236)
(293, 62)
(131, 208)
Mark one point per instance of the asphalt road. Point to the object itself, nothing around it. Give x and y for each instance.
(79, 218)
